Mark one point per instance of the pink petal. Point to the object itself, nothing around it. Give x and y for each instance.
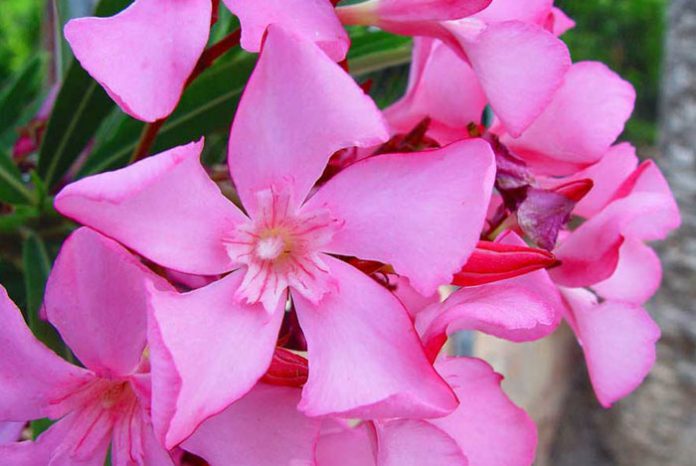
(365, 359)
(446, 90)
(560, 22)
(488, 427)
(607, 175)
(312, 19)
(165, 207)
(134, 440)
(415, 443)
(428, 10)
(528, 11)
(32, 377)
(264, 429)
(618, 340)
(582, 121)
(420, 212)
(143, 55)
(520, 66)
(55, 446)
(11, 431)
(298, 108)
(96, 298)
(637, 276)
(413, 301)
(347, 446)
(208, 350)
(643, 208)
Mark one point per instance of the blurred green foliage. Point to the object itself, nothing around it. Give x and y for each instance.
(627, 35)
(20, 26)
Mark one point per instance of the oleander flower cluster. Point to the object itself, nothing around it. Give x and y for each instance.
(297, 318)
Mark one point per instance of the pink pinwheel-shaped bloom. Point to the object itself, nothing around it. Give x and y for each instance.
(96, 298)
(486, 429)
(518, 64)
(420, 212)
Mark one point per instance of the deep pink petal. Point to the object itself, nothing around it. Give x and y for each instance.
(32, 377)
(208, 350)
(420, 212)
(134, 440)
(642, 208)
(488, 427)
(298, 108)
(143, 55)
(618, 340)
(412, 442)
(413, 301)
(560, 22)
(312, 19)
(637, 276)
(519, 66)
(365, 359)
(582, 121)
(445, 89)
(264, 429)
(165, 207)
(97, 299)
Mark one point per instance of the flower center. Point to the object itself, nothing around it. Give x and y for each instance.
(281, 248)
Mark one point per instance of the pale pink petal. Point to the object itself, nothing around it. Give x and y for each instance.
(97, 299)
(412, 442)
(143, 55)
(528, 11)
(637, 276)
(298, 108)
(582, 121)
(208, 350)
(312, 19)
(488, 427)
(446, 90)
(519, 66)
(618, 340)
(643, 208)
(365, 359)
(11, 431)
(32, 377)
(264, 429)
(165, 207)
(420, 212)
(347, 446)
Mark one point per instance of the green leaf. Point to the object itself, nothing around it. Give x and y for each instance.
(210, 102)
(40, 426)
(37, 265)
(20, 92)
(80, 108)
(12, 188)
(207, 106)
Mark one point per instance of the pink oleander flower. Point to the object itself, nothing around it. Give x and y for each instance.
(96, 298)
(420, 212)
(517, 64)
(486, 429)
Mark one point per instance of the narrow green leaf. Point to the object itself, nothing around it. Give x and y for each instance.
(37, 265)
(80, 108)
(40, 426)
(12, 188)
(207, 106)
(20, 92)
(376, 50)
